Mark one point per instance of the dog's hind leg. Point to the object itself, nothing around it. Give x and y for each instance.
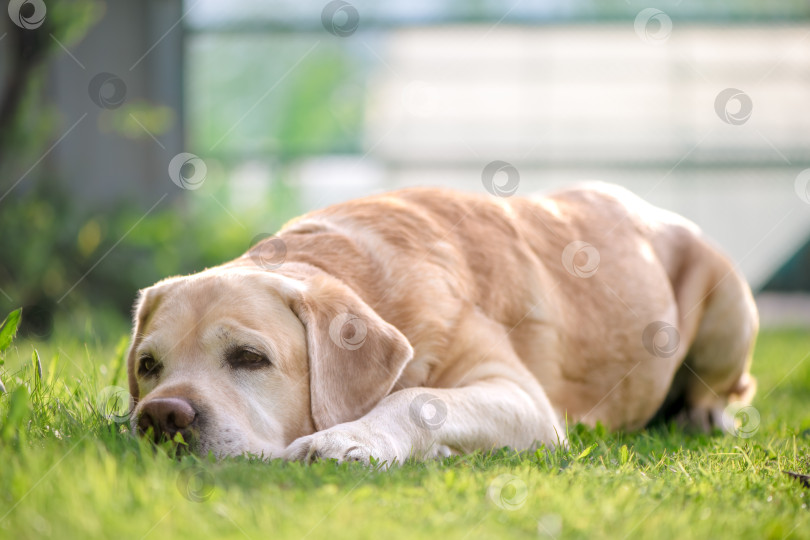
(715, 371)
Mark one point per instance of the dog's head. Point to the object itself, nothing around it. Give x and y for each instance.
(245, 361)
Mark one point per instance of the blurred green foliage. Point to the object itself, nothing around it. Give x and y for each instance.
(81, 266)
(35, 118)
(61, 260)
(306, 99)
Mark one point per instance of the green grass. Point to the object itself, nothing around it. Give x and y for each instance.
(67, 471)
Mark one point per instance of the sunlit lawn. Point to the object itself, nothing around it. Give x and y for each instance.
(69, 471)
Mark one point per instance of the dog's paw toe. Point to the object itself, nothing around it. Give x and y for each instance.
(358, 453)
(338, 445)
(443, 451)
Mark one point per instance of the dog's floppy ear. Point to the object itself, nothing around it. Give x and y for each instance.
(355, 357)
(146, 303)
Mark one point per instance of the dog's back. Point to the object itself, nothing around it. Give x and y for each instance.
(605, 298)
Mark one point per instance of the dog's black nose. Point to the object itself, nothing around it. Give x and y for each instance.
(167, 417)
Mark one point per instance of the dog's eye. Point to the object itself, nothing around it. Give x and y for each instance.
(247, 358)
(149, 367)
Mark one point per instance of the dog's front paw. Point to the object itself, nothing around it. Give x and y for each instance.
(344, 443)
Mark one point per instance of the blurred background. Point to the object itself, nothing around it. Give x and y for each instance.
(144, 139)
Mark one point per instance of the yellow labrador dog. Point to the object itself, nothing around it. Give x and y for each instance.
(426, 322)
